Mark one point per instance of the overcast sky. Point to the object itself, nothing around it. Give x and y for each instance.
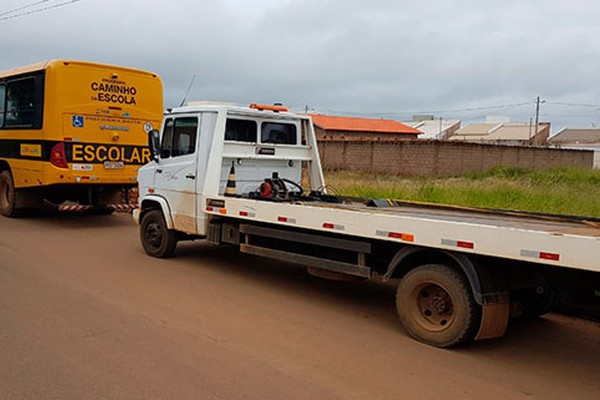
(454, 59)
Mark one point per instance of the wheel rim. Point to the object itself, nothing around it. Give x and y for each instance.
(432, 307)
(154, 235)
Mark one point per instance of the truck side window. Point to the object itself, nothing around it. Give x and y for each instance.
(167, 139)
(184, 136)
(241, 130)
(277, 132)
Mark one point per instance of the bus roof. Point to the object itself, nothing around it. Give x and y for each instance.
(42, 65)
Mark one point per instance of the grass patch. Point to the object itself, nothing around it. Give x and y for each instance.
(566, 191)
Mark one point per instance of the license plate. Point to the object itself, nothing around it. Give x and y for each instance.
(114, 165)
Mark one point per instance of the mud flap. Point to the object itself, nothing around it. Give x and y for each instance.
(495, 313)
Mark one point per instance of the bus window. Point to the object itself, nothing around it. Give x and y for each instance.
(240, 130)
(184, 136)
(20, 103)
(2, 91)
(167, 139)
(277, 132)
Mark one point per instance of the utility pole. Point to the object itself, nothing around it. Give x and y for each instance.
(537, 116)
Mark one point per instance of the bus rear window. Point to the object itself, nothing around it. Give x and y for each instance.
(2, 93)
(277, 132)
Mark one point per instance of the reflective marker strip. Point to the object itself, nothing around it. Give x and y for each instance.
(550, 256)
(247, 214)
(74, 207)
(407, 237)
(123, 207)
(540, 254)
(329, 225)
(219, 210)
(458, 243)
(286, 219)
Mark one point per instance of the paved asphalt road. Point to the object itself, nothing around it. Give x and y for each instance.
(85, 314)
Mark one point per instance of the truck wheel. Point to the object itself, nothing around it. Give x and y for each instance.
(7, 195)
(157, 240)
(436, 306)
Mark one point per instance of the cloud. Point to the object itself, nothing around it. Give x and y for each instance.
(387, 57)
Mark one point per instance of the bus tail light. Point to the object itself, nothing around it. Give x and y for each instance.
(58, 157)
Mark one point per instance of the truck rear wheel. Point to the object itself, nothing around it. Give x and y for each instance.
(436, 306)
(7, 194)
(157, 240)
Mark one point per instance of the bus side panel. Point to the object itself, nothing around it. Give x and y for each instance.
(21, 146)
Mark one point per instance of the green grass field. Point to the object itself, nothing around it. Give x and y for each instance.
(564, 191)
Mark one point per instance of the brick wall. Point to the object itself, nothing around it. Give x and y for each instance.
(335, 135)
(440, 158)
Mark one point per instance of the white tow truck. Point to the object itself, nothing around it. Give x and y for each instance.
(251, 177)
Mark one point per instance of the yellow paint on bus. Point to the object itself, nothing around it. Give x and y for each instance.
(73, 122)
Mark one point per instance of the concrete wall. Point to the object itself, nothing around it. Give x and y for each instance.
(440, 158)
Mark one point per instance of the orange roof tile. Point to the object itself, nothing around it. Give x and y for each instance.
(332, 123)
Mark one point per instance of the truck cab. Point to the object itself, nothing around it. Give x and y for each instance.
(203, 147)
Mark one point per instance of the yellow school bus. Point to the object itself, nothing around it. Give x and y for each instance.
(73, 134)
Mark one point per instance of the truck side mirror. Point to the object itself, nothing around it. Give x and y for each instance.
(154, 144)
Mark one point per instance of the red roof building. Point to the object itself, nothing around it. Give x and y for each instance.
(329, 127)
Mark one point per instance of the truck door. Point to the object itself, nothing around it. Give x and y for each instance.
(175, 174)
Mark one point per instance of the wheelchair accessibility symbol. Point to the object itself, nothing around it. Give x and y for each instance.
(78, 121)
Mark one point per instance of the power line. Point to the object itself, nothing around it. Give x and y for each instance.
(574, 104)
(24, 7)
(513, 105)
(392, 114)
(467, 114)
(37, 10)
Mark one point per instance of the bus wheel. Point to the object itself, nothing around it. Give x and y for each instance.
(436, 306)
(7, 194)
(157, 240)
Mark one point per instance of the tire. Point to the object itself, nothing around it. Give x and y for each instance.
(8, 195)
(157, 240)
(436, 306)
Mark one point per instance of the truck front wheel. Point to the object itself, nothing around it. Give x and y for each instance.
(157, 240)
(436, 306)
(7, 194)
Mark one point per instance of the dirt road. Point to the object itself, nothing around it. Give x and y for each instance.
(84, 313)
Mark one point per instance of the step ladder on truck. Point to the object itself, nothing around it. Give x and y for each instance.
(251, 177)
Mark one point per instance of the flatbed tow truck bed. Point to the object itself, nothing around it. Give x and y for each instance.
(553, 240)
